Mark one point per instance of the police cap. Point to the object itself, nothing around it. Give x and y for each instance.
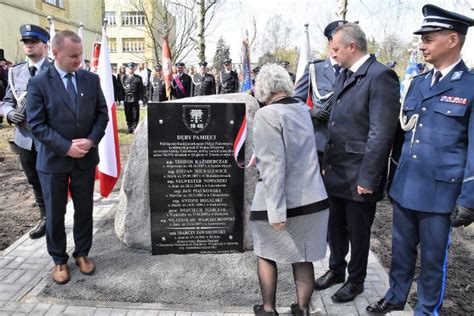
(131, 65)
(227, 61)
(285, 63)
(180, 64)
(437, 19)
(158, 67)
(203, 64)
(33, 32)
(331, 27)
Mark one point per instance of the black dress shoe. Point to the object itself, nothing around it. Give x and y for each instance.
(382, 307)
(258, 310)
(348, 292)
(328, 279)
(297, 311)
(39, 230)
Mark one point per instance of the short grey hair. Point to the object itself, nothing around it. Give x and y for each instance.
(58, 39)
(272, 79)
(352, 33)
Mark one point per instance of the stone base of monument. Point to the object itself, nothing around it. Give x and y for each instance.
(132, 220)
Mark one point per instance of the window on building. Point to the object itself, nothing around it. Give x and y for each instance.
(133, 18)
(133, 45)
(113, 45)
(57, 3)
(110, 18)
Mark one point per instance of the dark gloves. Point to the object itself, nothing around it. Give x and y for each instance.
(462, 216)
(323, 115)
(15, 117)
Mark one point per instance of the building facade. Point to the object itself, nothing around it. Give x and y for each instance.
(67, 15)
(133, 29)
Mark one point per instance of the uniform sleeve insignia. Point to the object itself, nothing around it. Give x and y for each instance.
(457, 75)
(455, 100)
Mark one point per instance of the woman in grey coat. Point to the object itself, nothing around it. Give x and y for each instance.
(290, 207)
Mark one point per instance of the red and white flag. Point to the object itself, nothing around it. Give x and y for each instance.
(109, 153)
(305, 55)
(166, 59)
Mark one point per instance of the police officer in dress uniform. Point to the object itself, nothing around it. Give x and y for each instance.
(182, 83)
(157, 85)
(34, 40)
(203, 83)
(133, 87)
(433, 185)
(228, 81)
(318, 82)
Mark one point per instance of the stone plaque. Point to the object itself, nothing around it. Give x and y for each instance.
(196, 186)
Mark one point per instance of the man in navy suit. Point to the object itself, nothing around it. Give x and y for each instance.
(361, 131)
(67, 114)
(433, 185)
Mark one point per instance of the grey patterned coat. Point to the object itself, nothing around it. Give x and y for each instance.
(285, 148)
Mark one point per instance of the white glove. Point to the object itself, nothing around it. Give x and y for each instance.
(121, 102)
(140, 102)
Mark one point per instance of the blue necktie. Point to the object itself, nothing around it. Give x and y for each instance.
(437, 77)
(71, 91)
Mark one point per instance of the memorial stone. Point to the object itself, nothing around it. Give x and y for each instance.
(132, 219)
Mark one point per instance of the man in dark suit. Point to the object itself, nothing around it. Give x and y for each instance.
(433, 185)
(361, 130)
(181, 84)
(67, 114)
(35, 47)
(317, 83)
(203, 82)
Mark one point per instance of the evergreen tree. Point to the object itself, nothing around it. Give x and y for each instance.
(222, 53)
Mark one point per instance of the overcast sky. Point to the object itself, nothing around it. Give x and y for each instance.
(376, 17)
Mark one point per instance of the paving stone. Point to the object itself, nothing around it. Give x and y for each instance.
(103, 311)
(4, 273)
(40, 309)
(15, 263)
(19, 307)
(178, 313)
(118, 312)
(142, 312)
(169, 313)
(27, 276)
(56, 309)
(203, 314)
(79, 310)
(341, 309)
(12, 276)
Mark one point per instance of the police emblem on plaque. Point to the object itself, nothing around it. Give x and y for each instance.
(196, 117)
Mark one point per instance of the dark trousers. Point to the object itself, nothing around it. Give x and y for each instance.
(431, 232)
(55, 192)
(132, 113)
(350, 223)
(28, 163)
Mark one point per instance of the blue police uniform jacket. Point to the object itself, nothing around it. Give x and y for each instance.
(435, 170)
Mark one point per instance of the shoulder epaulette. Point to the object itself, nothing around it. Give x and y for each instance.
(20, 63)
(471, 71)
(317, 61)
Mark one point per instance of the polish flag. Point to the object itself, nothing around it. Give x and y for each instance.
(304, 59)
(167, 73)
(109, 153)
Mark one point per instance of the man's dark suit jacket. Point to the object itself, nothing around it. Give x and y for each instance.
(55, 122)
(361, 131)
(187, 84)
